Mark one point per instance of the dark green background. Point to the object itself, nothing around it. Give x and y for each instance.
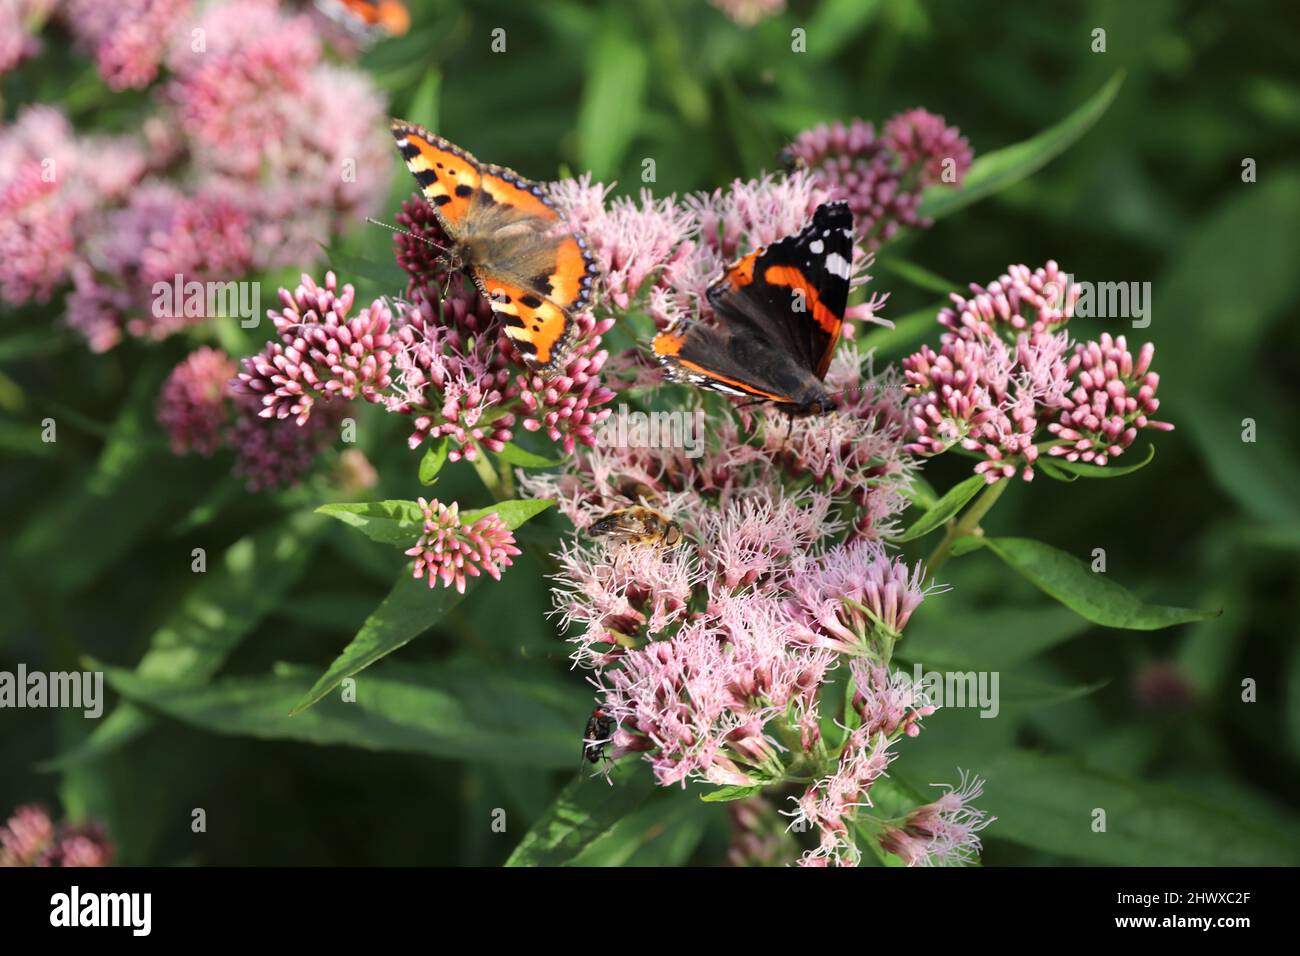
(96, 557)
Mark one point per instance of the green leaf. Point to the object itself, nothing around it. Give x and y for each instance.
(424, 105)
(1090, 595)
(394, 521)
(228, 601)
(836, 23)
(584, 811)
(434, 458)
(1048, 467)
(460, 711)
(662, 832)
(952, 502)
(612, 99)
(1084, 470)
(1049, 803)
(411, 608)
(727, 794)
(993, 172)
(514, 512)
(512, 454)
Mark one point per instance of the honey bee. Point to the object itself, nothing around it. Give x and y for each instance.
(638, 525)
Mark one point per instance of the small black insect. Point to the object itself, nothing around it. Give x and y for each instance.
(596, 738)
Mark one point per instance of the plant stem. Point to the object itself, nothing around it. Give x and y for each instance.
(488, 475)
(968, 524)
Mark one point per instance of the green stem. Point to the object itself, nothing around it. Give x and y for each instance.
(968, 524)
(488, 475)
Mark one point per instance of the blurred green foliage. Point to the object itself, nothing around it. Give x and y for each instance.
(478, 713)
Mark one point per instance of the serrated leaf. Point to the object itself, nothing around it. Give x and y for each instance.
(995, 171)
(953, 500)
(1090, 595)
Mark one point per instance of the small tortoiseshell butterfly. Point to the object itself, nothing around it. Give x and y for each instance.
(779, 312)
(509, 238)
(368, 19)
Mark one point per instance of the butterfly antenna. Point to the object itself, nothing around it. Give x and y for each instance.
(404, 232)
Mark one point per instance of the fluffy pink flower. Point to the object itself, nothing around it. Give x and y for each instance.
(830, 802)
(942, 833)
(888, 702)
(449, 549)
(192, 407)
(855, 597)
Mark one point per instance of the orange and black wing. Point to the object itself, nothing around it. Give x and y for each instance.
(449, 177)
(793, 293)
(727, 359)
(570, 271)
(536, 325)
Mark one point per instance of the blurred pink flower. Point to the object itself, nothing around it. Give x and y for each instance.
(193, 405)
(20, 21)
(881, 177)
(128, 38)
(747, 13)
(449, 549)
(30, 838)
(942, 833)
(273, 453)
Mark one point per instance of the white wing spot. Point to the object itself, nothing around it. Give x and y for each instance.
(817, 246)
(837, 265)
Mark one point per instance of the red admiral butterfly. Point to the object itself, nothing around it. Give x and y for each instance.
(779, 313)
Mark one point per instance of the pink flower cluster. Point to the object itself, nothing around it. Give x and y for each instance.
(31, 838)
(256, 150)
(442, 362)
(942, 833)
(202, 412)
(882, 176)
(1004, 371)
(20, 21)
(449, 549)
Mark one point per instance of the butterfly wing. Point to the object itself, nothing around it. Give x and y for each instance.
(729, 358)
(449, 177)
(794, 292)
